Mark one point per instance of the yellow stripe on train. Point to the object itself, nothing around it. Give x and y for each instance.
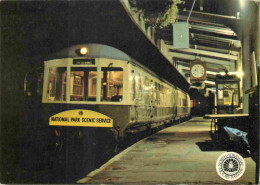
(81, 118)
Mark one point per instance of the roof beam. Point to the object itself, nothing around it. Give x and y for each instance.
(201, 44)
(208, 19)
(209, 83)
(213, 29)
(214, 15)
(230, 65)
(236, 42)
(211, 33)
(214, 49)
(208, 53)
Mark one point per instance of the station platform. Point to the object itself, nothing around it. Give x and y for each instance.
(182, 153)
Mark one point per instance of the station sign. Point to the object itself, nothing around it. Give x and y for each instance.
(80, 118)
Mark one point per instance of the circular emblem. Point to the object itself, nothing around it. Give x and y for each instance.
(230, 166)
(80, 113)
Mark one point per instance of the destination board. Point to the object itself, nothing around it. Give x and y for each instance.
(85, 61)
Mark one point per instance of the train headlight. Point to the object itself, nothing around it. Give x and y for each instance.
(83, 51)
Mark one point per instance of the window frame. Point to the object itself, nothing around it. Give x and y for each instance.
(70, 90)
(101, 88)
(99, 63)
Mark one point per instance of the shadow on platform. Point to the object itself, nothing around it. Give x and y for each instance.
(210, 146)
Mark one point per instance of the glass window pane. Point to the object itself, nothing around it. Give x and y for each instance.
(228, 94)
(134, 88)
(83, 84)
(56, 90)
(111, 84)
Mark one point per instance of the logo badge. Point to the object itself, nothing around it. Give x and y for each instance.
(230, 166)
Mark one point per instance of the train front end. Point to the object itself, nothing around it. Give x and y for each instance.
(84, 102)
(86, 89)
(83, 112)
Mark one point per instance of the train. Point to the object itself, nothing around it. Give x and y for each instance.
(95, 85)
(95, 94)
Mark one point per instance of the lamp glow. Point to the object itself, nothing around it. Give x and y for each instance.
(83, 51)
(242, 3)
(240, 74)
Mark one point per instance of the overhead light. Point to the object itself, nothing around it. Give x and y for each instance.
(242, 3)
(240, 74)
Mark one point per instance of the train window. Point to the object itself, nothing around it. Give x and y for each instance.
(56, 90)
(138, 86)
(146, 82)
(33, 83)
(184, 102)
(83, 84)
(157, 99)
(111, 84)
(134, 90)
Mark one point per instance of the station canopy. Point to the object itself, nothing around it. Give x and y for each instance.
(214, 29)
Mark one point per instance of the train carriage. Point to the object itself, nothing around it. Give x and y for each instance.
(105, 80)
(92, 97)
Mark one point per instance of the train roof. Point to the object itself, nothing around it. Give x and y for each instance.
(94, 51)
(102, 51)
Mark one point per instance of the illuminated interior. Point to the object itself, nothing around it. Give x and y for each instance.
(83, 84)
(56, 89)
(111, 84)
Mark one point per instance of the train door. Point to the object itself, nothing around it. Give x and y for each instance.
(138, 96)
(147, 98)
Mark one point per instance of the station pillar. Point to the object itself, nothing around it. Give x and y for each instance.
(246, 69)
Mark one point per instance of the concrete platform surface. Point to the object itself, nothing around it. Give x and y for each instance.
(182, 153)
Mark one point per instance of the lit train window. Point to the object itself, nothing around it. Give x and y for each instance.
(56, 90)
(146, 82)
(137, 86)
(147, 90)
(134, 90)
(83, 84)
(111, 84)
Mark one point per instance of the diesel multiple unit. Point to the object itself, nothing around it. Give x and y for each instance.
(94, 85)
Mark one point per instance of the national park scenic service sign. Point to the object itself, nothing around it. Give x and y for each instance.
(81, 118)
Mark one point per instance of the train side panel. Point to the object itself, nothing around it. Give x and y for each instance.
(153, 101)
